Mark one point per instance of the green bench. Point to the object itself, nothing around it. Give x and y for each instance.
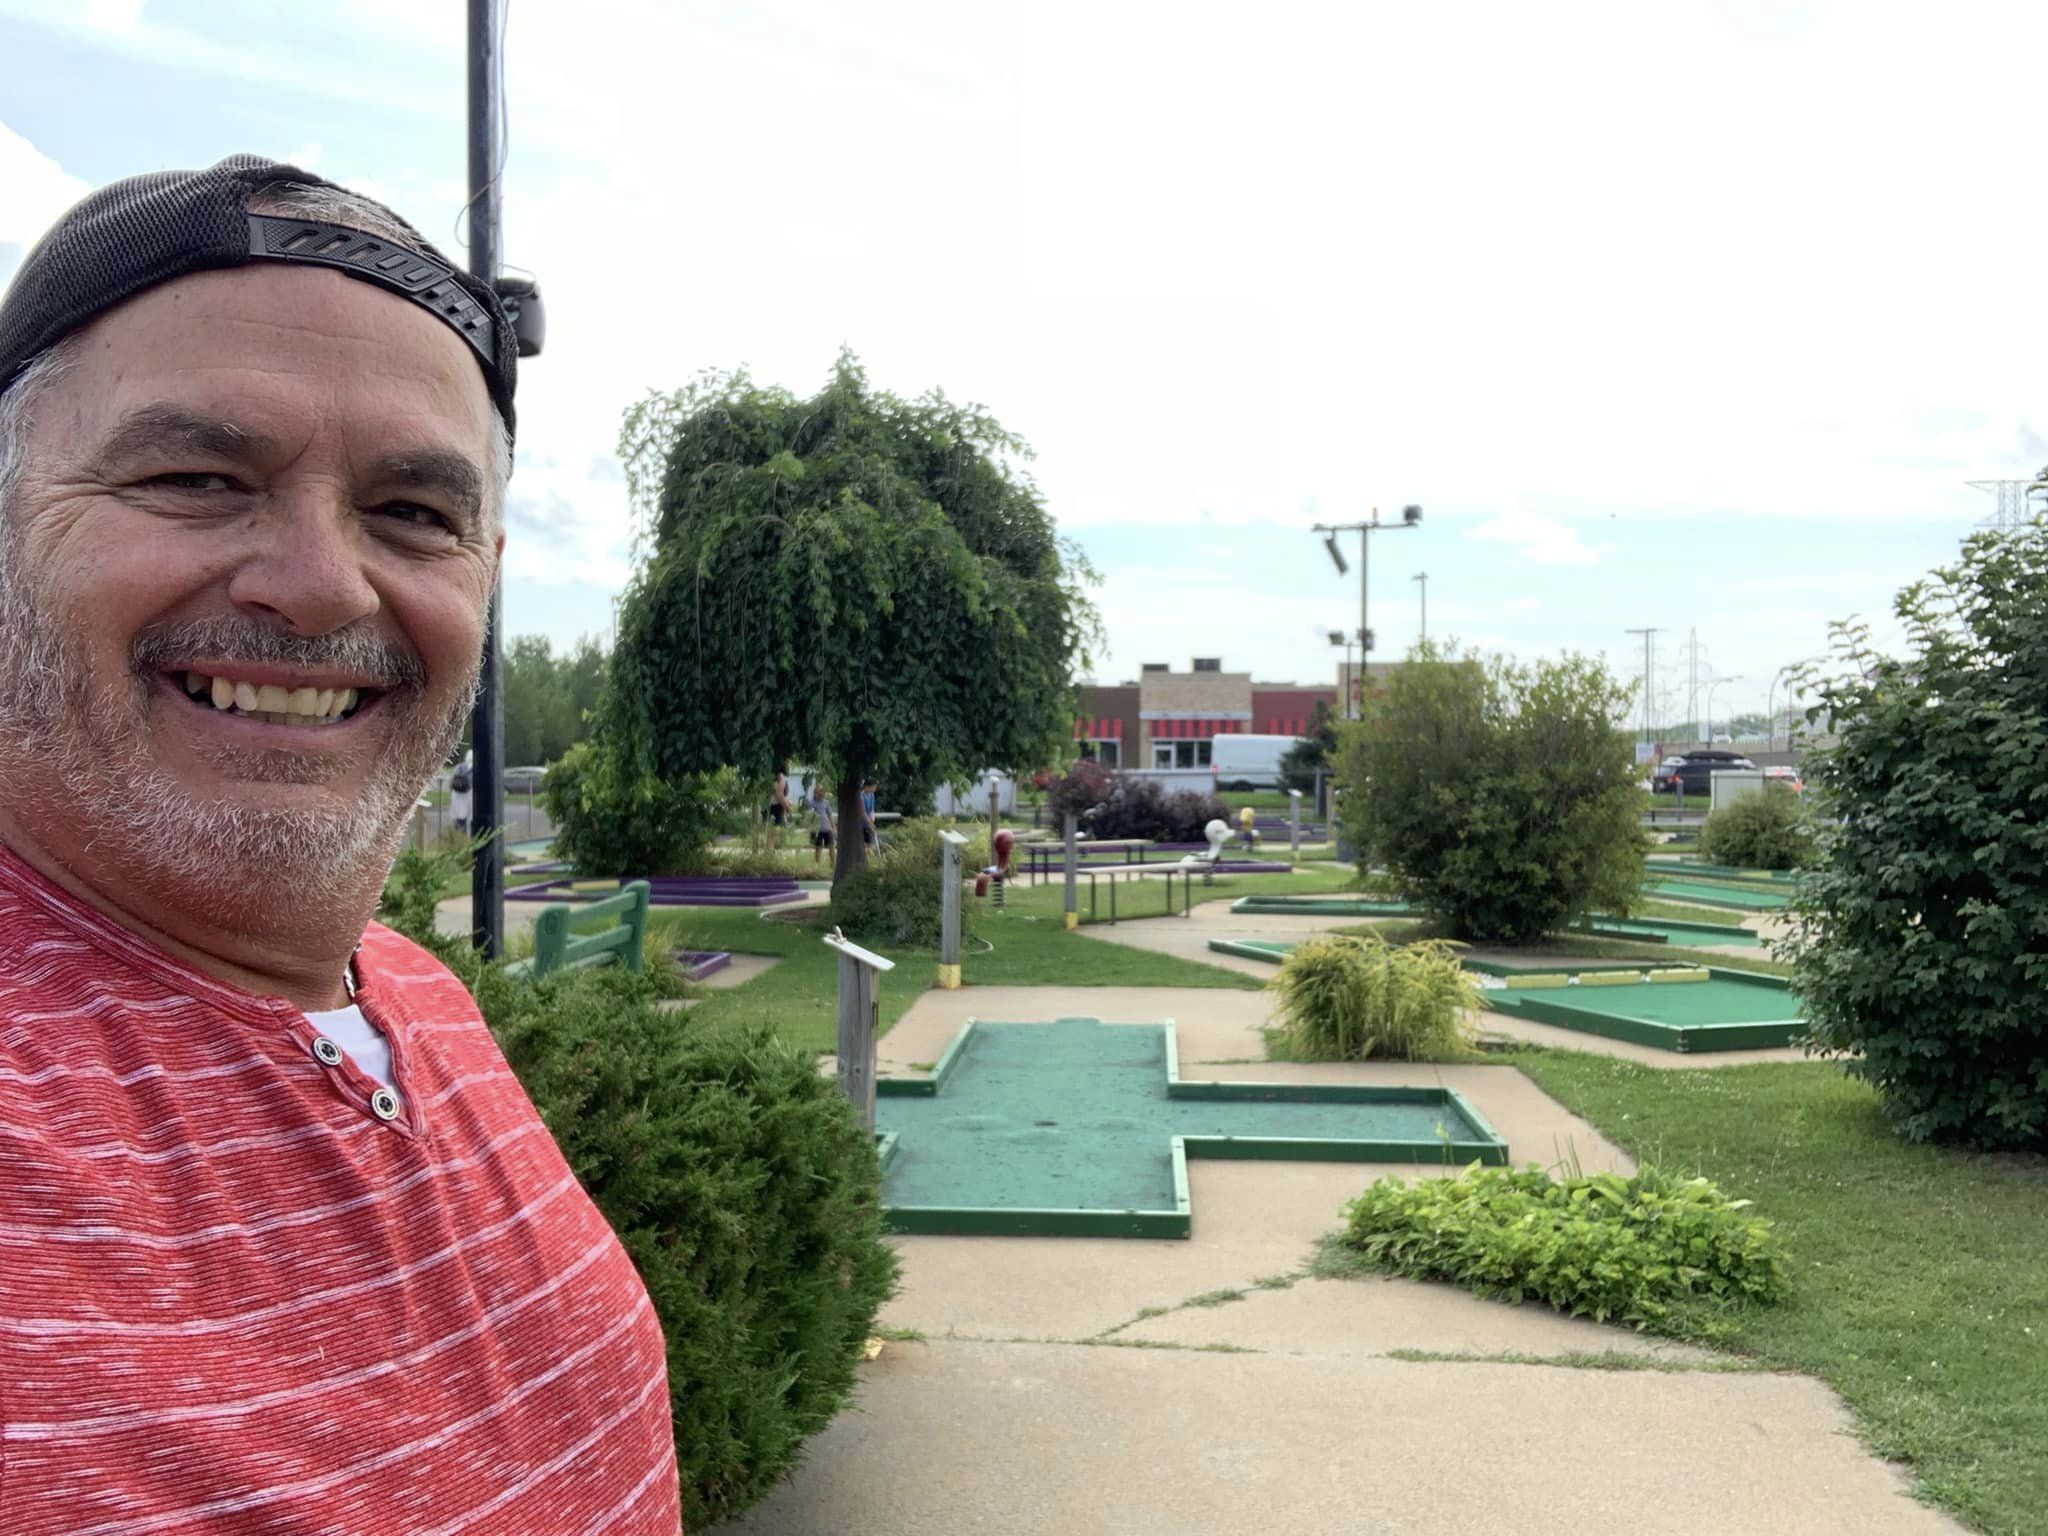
(569, 936)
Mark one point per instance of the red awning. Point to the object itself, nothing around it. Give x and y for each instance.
(1196, 728)
(1096, 728)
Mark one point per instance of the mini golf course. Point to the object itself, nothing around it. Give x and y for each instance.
(672, 891)
(1714, 893)
(1648, 930)
(1081, 1128)
(1695, 1010)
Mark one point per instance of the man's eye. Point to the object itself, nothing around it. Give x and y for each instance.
(193, 480)
(413, 515)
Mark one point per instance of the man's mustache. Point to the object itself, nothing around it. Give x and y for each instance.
(358, 651)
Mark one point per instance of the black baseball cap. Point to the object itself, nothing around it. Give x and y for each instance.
(150, 229)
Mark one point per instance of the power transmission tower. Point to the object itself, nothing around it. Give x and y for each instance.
(2012, 499)
(1649, 676)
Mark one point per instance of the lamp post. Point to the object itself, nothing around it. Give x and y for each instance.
(1411, 517)
(1341, 637)
(1421, 579)
(1717, 682)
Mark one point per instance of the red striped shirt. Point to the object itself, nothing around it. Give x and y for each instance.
(235, 1300)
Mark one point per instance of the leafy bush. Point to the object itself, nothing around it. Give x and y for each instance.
(1501, 797)
(613, 820)
(1767, 830)
(1919, 942)
(1114, 806)
(1595, 1245)
(1346, 998)
(1314, 753)
(894, 898)
(743, 1189)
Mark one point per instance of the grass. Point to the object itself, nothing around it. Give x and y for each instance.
(1680, 912)
(1920, 1274)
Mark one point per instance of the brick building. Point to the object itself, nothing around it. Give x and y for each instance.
(1166, 719)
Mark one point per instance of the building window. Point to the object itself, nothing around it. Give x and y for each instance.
(1180, 754)
(1104, 751)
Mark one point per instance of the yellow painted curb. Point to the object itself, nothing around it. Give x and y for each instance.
(1609, 978)
(949, 976)
(1697, 974)
(1533, 983)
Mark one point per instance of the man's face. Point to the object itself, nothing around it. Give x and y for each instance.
(244, 580)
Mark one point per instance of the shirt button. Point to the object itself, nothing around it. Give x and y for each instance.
(328, 1053)
(384, 1104)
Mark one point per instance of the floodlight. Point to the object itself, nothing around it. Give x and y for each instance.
(1336, 554)
(1411, 514)
(1338, 637)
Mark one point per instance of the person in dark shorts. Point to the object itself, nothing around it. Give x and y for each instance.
(821, 808)
(778, 800)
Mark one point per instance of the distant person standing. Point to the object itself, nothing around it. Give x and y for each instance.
(459, 788)
(778, 800)
(867, 812)
(821, 834)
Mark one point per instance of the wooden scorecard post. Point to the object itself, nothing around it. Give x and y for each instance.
(859, 1020)
(949, 908)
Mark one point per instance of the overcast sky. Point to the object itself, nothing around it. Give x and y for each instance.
(1687, 315)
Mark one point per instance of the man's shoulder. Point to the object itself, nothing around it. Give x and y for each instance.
(414, 974)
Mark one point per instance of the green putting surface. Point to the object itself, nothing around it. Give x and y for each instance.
(1323, 906)
(1078, 1127)
(1693, 869)
(1681, 934)
(1726, 1012)
(1706, 893)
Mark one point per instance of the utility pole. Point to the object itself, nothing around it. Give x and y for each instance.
(1649, 650)
(487, 724)
(1411, 517)
(1422, 587)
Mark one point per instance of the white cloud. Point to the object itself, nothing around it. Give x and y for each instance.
(1538, 539)
(38, 189)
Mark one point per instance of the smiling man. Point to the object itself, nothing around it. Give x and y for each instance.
(283, 1246)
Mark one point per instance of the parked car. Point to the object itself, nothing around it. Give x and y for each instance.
(524, 781)
(1693, 773)
(1786, 775)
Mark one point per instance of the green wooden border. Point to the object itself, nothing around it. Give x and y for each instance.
(1322, 906)
(1685, 1039)
(1251, 949)
(927, 1087)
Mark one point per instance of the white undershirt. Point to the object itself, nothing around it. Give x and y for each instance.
(360, 1040)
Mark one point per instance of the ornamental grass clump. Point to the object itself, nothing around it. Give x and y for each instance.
(1592, 1245)
(1352, 998)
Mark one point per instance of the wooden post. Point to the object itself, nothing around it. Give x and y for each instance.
(995, 810)
(859, 1021)
(949, 910)
(1073, 918)
(1294, 823)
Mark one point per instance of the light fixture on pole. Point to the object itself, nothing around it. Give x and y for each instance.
(1717, 682)
(1339, 637)
(1411, 517)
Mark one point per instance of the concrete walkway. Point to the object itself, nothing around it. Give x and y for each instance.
(1225, 1384)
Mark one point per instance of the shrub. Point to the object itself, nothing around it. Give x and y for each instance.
(1115, 806)
(613, 820)
(1314, 753)
(1595, 1245)
(1345, 998)
(894, 898)
(1918, 941)
(1501, 797)
(743, 1189)
(1767, 830)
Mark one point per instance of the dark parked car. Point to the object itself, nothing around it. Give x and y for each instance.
(1693, 772)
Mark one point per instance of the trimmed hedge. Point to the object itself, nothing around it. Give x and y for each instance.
(1768, 830)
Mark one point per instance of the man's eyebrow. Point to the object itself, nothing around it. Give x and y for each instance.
(455, 475)
(159, 428)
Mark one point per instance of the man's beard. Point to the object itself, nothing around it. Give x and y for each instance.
(82, 750)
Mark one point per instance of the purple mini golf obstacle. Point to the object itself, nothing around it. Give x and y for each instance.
(677, 891)
(699, 963)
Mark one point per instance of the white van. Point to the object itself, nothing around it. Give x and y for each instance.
(1248, 762)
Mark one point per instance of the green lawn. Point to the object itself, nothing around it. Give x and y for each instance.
(1920, 1276)
(1681, 912)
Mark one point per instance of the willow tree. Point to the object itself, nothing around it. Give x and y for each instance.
(863, 584)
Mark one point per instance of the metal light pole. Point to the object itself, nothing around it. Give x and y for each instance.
(1411, 517)
(1717, 682)
(1422, 587)
(1339, 637)
(487, 724)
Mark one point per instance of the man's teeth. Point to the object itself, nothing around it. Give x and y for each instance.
(272, 703)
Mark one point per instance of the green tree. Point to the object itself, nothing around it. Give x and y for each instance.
(548, 698)
(1502, 797)
(854, 581)
(1316, 750)
(1921, 941)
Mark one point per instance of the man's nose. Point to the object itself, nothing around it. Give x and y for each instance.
(306, 566)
